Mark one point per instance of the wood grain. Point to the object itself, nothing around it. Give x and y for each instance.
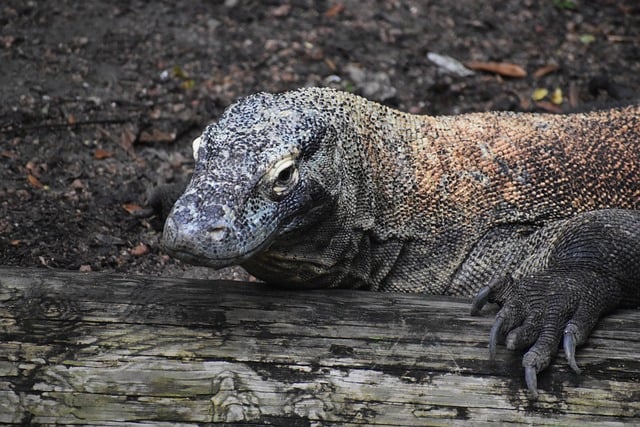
(98, 349)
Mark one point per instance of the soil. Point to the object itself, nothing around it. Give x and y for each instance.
(101, 100)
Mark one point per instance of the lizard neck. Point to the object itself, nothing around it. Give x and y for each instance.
(423, 191)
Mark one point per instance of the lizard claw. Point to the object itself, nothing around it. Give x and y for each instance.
(495, 290)
(531, 377)
(569, 345)
(494, 335)
(479, 301)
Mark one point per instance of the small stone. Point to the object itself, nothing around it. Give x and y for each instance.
(374, 85)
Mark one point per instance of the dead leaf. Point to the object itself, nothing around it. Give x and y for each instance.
(100, 154)
(334, 10)
(15, 242)
(506, 69)
(127, 138)
(179, 72)
(132, 208)
(156, 135)
(188, 84)
(548, 106)
(539, 94)
(565, 4)
(547, 69)
(139, 250)
(35, 182)
(8, 154)
(85, 268)
(556, 96)
(587, 38)
(71, 119)
(330, 64)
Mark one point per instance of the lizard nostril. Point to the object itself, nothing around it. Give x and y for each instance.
(217, 232)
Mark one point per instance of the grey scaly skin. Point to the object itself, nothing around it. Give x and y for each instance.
(320, 188)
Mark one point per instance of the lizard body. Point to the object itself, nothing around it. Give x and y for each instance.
(320, 188)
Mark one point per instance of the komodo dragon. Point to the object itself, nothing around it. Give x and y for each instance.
(320, 188)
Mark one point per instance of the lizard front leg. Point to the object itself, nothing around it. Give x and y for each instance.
(589, 265)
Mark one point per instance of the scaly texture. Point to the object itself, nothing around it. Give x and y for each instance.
(319, 188)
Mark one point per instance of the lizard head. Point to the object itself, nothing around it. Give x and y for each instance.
(260, 173)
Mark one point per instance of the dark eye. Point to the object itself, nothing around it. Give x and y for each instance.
(285, 177)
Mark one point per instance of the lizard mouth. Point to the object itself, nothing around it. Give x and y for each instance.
(194, 259)
(212, 257)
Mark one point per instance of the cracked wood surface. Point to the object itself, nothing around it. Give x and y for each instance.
(98, 349)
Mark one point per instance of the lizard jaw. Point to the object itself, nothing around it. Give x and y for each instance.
(180, 246)
(190, 258)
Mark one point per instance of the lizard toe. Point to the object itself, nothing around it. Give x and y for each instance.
(534, 361)
(497, 290)
(526, 334)
(507, 318)
(540, 354)
(544, 348)
(576, 332)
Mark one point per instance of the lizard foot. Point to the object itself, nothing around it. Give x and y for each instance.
(587, 269)
(161, 199)
(539, 311)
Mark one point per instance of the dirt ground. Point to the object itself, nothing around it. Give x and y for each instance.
(101, 100)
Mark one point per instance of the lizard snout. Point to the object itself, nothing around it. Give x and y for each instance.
(188, 234)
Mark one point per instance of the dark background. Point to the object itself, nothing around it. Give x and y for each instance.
(100, 100)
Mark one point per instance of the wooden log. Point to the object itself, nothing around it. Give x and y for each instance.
(100, 349)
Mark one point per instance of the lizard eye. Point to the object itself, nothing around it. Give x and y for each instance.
(285, 177)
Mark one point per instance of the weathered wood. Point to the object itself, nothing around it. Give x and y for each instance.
(98, 349)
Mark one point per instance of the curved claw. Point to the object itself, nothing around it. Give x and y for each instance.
(531, 377)
(493, 336)
(569, 345)
(479, 301)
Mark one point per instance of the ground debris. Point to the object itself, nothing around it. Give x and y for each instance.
(506, 69)
(101, 102)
